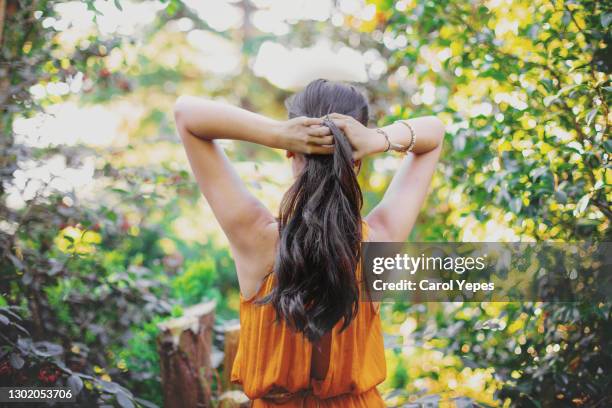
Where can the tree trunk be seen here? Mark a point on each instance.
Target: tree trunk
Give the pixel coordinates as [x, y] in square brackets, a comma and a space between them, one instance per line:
[2, 8]
[233, 397]
[230, 348]
[185, 346]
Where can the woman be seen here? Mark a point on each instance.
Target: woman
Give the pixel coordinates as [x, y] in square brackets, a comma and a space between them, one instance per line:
[306, 339]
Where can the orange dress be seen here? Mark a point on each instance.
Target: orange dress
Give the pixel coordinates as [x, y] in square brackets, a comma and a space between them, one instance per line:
[273, 359]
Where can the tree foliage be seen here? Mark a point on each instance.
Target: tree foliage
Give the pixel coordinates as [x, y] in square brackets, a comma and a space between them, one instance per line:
[524, 88]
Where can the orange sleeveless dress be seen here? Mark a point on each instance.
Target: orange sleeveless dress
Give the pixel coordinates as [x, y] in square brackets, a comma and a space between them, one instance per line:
[274, 360]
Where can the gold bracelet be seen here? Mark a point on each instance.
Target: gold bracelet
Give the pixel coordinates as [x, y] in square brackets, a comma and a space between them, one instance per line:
[396, 147]
[412, 135]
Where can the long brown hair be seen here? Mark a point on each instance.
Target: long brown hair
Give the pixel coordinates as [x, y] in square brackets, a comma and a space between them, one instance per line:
[320, 223]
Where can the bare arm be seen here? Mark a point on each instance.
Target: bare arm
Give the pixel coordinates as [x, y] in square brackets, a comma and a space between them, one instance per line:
[248, 225]
[394, 217]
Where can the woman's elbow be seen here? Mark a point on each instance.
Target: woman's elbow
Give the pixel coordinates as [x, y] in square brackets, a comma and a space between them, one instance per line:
[183, 116]
[439, 129]
[432, 130]
[192, 116]
[181, 107]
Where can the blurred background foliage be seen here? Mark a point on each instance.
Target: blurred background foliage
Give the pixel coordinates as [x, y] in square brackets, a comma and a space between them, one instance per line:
[103, 233]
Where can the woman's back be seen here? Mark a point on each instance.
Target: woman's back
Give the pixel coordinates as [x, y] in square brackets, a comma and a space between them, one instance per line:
[309, 339]
[275, 364]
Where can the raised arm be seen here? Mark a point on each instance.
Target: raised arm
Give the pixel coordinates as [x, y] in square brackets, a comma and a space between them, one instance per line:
[394, 217]
[248, 225]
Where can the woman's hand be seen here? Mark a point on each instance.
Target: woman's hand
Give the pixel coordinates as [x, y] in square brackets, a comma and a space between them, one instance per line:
[363, 140]
[305, 135]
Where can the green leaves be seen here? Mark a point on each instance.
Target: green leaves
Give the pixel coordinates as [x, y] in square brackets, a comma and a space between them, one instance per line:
[582, 205]
[525, 153]
[535, 165]
[590, 116]
[75, 383]
[16, 361]
[516, 204]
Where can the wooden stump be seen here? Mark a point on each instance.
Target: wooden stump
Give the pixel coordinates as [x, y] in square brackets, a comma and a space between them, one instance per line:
[185, 346]
[230, 348]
